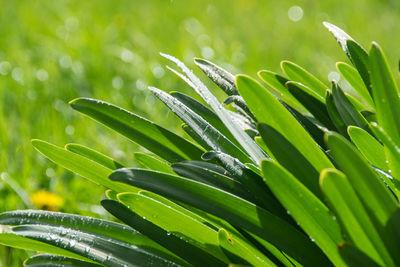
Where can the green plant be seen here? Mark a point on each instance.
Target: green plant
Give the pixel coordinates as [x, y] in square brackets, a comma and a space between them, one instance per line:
[298, 174]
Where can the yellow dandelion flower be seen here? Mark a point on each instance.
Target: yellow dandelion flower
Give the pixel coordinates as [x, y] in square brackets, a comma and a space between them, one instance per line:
[46, 200]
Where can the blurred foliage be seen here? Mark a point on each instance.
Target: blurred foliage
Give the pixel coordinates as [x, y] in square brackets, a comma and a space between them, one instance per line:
[54, 51]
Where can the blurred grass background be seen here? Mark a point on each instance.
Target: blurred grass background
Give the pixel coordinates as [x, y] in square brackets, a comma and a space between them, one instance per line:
[54, 51]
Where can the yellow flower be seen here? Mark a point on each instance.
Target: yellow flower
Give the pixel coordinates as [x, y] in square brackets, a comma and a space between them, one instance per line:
[46, 200]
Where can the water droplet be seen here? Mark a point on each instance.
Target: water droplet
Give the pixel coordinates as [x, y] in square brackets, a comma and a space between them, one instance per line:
[312, 239]
[72, 243]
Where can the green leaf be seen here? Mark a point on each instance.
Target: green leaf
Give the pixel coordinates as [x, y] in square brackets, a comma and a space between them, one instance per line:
[313, 127]
[334, 114]
[205, 130]
[392, 151]
[340, 36]
[252, 180]
[207, 176]
[386, 97]
[364, 180]
[87, 224]
[354, 79]
[369, 147]
[237, 211]
[178, 246]
[311, 214]
[56, 261]
[239, 101]
[221, 77]
[151, 136]
[244, 140]
[354, 257]
[353, 50]
[359, 57]
[240, 244]
[243, 250]
[205, 113]
[276, 85]
[150, 162]
[95, 247]
[94, 155]
[347, 111]
[11, 239]
[270, 111]
[175, 222]
[298, 74]
[353, 216]
[80, 165]
[290, 158]
[296, 88]
[315, 104]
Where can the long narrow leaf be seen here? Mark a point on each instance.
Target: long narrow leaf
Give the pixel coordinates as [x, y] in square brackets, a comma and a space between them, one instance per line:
[245, 141]
[153, 137]
[229, 207]
[270, 111]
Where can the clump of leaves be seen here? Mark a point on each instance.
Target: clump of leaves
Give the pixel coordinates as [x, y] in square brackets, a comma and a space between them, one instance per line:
[300, 173]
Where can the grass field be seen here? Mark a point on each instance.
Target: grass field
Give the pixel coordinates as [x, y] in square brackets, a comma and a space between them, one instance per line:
[54, 51]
